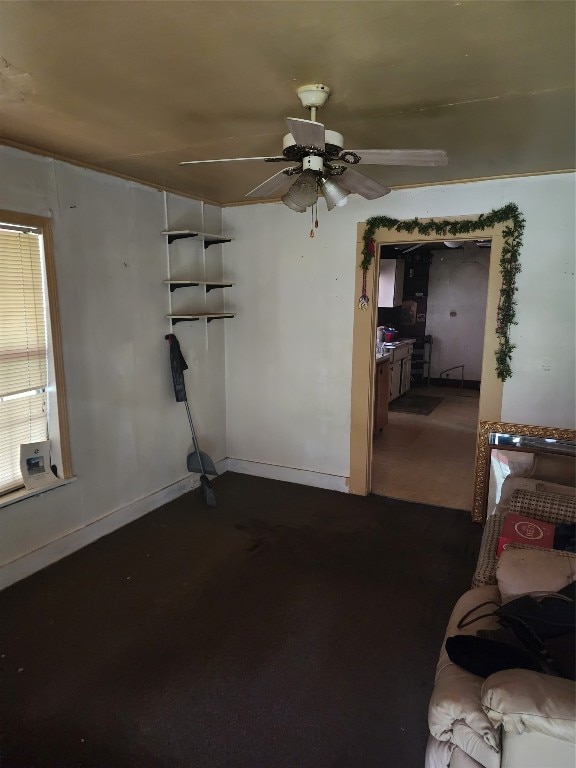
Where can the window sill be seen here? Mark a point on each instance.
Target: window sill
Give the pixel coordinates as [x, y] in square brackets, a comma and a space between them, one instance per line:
[24, 493]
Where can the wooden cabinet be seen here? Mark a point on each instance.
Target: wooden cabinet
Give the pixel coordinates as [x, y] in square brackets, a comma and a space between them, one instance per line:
[390, 282]
[405, 377]
[400, 370]
[395, 380]
[381, 395]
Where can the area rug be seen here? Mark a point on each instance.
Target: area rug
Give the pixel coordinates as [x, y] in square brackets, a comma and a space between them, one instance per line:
[420, 405]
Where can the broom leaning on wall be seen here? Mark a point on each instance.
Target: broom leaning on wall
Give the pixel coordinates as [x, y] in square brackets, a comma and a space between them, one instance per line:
[197, 461]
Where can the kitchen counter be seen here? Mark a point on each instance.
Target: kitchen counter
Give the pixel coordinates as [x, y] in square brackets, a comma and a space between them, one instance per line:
[399, 356]
[390, 346]
[397, 343]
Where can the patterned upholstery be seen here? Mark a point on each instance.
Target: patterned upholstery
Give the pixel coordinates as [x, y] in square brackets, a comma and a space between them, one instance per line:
[539, 505]
[548, 507]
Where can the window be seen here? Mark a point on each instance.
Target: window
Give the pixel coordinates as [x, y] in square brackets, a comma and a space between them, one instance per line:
[31, 382]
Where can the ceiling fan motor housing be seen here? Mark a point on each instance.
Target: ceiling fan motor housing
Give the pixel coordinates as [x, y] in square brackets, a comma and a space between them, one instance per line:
[313, 163]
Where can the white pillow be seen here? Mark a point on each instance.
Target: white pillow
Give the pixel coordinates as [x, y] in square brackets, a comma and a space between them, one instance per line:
[526, 571]
[520, 464]
[513, 483]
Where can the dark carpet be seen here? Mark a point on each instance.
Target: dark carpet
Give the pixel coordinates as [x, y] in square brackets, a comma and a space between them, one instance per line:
[421, 405]
[291, 627]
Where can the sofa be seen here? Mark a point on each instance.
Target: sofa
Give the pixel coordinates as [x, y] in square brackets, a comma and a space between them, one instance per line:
[514, 718]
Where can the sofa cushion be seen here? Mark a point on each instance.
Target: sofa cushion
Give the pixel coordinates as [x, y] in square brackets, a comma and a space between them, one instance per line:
[444, 754]
[513, 483]
[548, 507]
[438, 753]
[534, 750]
[486, 566]
[522, 571]
[531, 701]
[455, 713]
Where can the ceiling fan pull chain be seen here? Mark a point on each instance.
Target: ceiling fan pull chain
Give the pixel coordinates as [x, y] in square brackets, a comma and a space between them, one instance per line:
[312, 228]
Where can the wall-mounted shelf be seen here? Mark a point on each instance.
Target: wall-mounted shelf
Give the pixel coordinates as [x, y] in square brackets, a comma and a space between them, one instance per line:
[208, 316]
[208, 284]
[205, 237]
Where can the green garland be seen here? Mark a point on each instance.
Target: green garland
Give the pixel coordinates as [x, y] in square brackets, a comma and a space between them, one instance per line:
[509, 262]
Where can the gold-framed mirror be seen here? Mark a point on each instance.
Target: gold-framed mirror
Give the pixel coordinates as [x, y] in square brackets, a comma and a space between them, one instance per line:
[504, 448]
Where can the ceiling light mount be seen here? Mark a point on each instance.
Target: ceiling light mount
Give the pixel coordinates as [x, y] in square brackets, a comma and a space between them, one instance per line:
[313, 96]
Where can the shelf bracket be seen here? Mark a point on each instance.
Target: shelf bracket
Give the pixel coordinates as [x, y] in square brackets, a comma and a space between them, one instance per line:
[209, 319]
[182, 236]
[212, 287]
[191, 284]
[176, 320]
[208, 243]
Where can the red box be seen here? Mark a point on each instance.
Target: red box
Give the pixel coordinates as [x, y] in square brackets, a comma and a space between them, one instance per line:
[518, 529]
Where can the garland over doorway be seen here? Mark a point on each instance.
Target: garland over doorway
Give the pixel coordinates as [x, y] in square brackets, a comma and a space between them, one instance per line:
[509, 263]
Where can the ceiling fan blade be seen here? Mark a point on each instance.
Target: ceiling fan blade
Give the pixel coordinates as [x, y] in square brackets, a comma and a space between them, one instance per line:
[355, 181]
[306, 133]
[401, 156]
[234, 160]
[271, 186]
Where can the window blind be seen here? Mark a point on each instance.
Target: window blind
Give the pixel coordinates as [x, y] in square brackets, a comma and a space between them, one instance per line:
[23, 351]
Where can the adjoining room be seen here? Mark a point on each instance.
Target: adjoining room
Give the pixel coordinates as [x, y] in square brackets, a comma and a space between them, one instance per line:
[430, 347]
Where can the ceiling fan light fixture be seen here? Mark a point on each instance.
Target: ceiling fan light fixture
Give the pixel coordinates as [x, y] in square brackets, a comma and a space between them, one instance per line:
[287, 200]
[303, 193]
[334, 194]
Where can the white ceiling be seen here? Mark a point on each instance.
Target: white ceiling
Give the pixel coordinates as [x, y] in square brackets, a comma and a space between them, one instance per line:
[135, 87]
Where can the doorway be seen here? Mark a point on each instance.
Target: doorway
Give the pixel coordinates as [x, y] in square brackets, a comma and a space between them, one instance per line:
[424, 449]
[364, 340]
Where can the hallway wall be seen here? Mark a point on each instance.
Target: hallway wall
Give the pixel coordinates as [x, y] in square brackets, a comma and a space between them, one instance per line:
[458, 282]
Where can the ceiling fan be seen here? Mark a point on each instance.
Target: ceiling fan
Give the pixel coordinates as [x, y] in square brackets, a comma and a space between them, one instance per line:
[320, 159]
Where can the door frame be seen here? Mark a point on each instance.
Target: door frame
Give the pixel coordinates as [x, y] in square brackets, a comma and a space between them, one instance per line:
[364, 343]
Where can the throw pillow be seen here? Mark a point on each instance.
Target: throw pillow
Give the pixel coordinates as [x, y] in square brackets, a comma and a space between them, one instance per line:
[549, 507]
[522, 571]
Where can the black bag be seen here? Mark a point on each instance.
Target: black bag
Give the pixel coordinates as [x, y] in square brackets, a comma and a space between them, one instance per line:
[484, 655]
[541, 636]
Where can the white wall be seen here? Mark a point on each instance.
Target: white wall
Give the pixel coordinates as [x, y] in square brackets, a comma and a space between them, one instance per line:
[285, 411]
[289, 351]
[129, 438]
[458, 283]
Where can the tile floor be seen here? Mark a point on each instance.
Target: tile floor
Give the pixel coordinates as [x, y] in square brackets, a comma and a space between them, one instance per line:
[431, 458]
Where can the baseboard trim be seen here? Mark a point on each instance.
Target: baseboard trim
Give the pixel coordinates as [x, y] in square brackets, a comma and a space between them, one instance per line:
[55, 550]
[289, 474]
